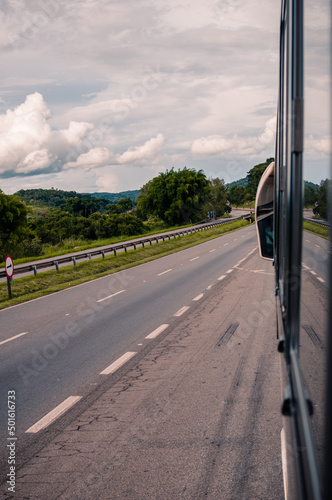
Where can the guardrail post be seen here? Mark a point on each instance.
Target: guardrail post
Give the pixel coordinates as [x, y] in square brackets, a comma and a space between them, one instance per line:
[134, 246]
[34, 268]
[56, 265]
[114, 251]
[103, 254]
[89, 256]
[74, 261]
[142, 244]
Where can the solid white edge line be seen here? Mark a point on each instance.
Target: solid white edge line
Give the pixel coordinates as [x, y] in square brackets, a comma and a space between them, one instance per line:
[13, 338]
[222, 277]
[284, 462]
[110, 296]
[157, 331]
[201, 295]
[54, 414]
[118, 363]
[164, 272]
[182, 311]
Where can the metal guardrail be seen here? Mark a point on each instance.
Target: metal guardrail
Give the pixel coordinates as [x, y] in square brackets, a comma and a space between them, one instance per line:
[114, 248]
[318, 222]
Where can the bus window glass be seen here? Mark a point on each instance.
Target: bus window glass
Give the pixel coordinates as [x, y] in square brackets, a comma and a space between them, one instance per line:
[316, 169]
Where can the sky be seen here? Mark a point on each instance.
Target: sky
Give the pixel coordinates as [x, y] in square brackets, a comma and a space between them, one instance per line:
[104, 95]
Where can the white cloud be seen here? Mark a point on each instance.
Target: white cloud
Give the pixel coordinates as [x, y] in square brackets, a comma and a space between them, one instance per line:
[27, 142]
[96, 157]
[76, 131]
[141, 154]
[254, 145]
[116, 73]
[23, 131]
[36, 160]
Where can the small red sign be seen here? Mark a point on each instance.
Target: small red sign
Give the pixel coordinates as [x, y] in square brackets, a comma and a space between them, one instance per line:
[9, 266]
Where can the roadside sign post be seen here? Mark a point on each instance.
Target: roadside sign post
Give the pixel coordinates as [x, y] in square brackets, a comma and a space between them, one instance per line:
[9, 268]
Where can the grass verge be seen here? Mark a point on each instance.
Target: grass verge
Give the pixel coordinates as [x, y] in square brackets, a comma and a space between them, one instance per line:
[31, 287]
[321, 231]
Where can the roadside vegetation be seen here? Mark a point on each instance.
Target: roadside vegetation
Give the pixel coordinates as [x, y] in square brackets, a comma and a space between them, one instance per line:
[32, 287]
[39, 223]
[321, 231]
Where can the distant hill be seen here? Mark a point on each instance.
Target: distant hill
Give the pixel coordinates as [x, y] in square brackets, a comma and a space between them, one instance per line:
[46, 197]
[241, 182]
[115, 197]
[53, 198]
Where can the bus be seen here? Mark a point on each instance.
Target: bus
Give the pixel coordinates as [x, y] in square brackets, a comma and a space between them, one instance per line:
[301, 260]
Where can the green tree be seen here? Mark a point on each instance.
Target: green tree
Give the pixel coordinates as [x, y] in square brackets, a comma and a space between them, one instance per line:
[176, 197]
[322, 207]
[310, 196]
[237, 195]
[13, 222]
[254, 176]
[217, 197]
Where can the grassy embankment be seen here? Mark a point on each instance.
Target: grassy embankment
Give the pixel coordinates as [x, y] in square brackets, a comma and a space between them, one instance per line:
[31, 287]
[321, 231]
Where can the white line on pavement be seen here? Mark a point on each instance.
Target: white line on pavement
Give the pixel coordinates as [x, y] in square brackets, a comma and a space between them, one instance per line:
[54, 414]
[226, 244]
[222, 277]
[313, 272]
[214, 249]
[157, 331]
[118, 363]
[13, 338]
[198, 297]
[110, 296]
[195, 258]
[229, 271]
[320, 279]
[164, 272]
[182, 311]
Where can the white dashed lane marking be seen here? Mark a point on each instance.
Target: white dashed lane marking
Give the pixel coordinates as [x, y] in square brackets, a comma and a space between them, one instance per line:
[157, 331]
[199, 297]
[13, 338]
[164, 272]
[118, 363]
[54, 414]
[182, 311]
[110, 296]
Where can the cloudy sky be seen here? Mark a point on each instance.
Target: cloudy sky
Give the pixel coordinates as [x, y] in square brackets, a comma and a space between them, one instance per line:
[103, 95]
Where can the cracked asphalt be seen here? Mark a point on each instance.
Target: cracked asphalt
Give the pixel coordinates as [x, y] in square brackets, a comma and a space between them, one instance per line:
[198, 416]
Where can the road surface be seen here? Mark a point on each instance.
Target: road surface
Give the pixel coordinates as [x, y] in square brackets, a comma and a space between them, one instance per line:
[194, 413]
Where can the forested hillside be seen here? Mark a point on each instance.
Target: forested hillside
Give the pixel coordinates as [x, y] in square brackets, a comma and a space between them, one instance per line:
[37, 222]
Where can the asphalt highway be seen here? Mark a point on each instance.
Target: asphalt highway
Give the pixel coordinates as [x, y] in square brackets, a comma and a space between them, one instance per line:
[174, 362]
[58, 345]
